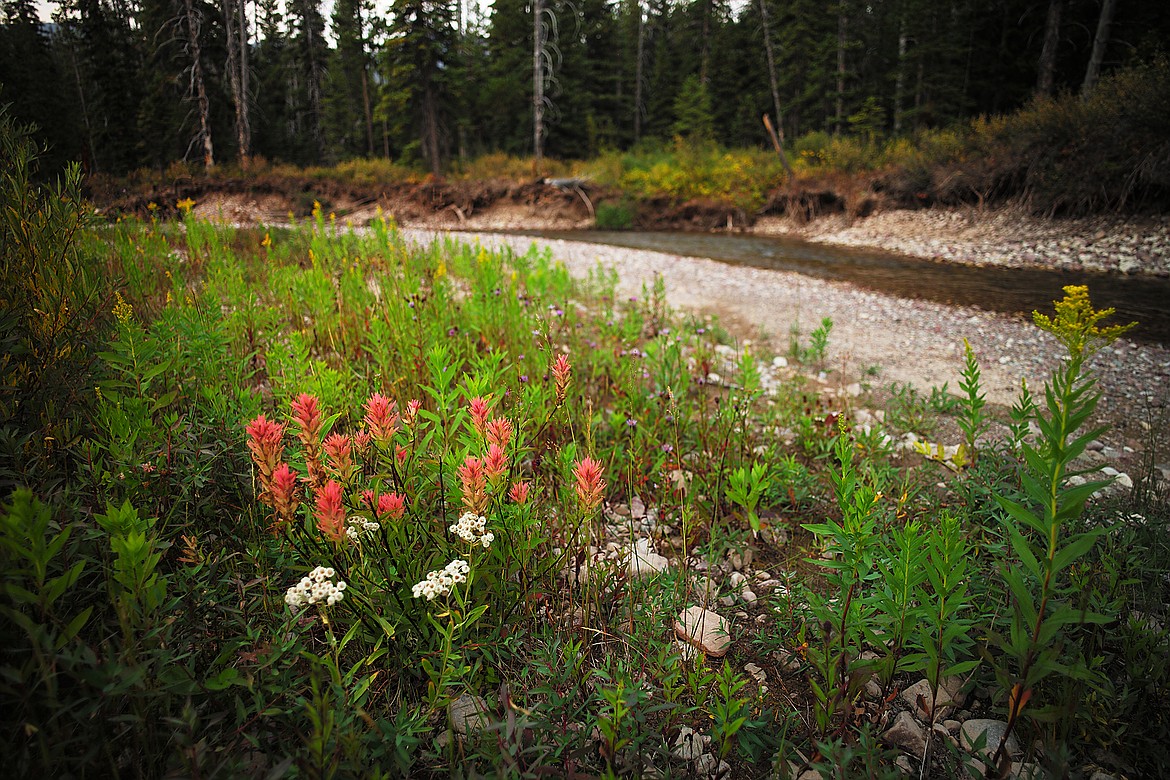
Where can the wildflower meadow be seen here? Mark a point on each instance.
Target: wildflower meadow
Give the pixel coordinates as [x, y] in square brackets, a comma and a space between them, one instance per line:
[317, 501]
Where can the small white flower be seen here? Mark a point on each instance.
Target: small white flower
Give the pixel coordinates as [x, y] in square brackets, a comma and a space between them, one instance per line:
[470, 528]
[441, 581]
[315, 589]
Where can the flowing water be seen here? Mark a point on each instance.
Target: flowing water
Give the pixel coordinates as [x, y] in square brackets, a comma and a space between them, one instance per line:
[1009, 290]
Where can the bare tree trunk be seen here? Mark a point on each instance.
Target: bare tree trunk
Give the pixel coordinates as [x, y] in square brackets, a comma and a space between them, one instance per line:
[778, 133]
[245, 77]
[431, 127]
[93, 160]
[842, 24]
[314, 85]
[237, 50]
[705, 46]
[1046, 79]
[203, 106]
[366, 84]
[1100, 42]
[638, 73]
[900, 78]
[537, 84]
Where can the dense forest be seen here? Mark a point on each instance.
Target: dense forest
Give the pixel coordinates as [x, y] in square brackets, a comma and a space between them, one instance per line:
[126, 84]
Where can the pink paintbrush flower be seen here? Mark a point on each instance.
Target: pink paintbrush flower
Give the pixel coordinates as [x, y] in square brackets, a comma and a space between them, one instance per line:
[471, 474]
[480, 408]
[561, 372]
[590, 485]
[499, 432]
[330, 512]
[519, 493]
[381, 417]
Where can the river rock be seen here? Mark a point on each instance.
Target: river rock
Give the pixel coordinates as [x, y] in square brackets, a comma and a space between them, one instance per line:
[705, 630]
[918, 698]
[906, 734]
[643, 562]
[690, 744]
[705, 590]
[994, 729]
[740, 560]
[468, 714]
[708, 765]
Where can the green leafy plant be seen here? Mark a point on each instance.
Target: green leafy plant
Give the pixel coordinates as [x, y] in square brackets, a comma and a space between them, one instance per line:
[818, 344]
[745, 486]
[972, 419]
[1042, 529]
[842, 617]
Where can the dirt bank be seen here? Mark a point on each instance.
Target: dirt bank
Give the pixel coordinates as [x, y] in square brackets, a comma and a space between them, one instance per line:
[1001, 237]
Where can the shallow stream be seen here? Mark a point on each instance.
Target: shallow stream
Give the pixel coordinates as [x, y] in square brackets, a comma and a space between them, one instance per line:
[1009, 290]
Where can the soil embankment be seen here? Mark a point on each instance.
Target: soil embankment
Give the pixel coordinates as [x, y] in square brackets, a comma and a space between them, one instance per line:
[1002, 236]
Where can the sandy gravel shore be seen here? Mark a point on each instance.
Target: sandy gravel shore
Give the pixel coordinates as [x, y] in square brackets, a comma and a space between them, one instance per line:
[1002, 237]
[907, 340]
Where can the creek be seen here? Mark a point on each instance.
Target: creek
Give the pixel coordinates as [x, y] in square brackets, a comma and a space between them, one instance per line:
[1144, 299]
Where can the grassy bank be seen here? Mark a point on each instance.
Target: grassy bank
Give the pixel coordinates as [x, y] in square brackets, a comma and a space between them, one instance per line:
[523, 482]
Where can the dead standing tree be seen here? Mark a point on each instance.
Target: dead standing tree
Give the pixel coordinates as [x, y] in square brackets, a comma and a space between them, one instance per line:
[236, 26]
[198, 87]
[777, 133]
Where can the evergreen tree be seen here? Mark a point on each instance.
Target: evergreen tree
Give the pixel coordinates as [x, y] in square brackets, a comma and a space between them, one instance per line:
[419, 57]
[32, 83]
[164, 121]
[692, 110]
[306, 58]
[347, 102]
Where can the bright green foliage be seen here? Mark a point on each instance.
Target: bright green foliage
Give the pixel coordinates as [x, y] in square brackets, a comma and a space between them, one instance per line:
[1043, 530]
[902, 564]
[850, 547]
[745, 487]
[944, 625]
[818, 344]
[137, 588]
[972, 420]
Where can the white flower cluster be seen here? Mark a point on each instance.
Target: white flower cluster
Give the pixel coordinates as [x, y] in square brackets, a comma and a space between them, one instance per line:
[357, 526]
[439, 583]
[315, 589]
[469, 528]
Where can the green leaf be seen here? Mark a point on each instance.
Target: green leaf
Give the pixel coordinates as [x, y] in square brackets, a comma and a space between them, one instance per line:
[71, 630]
[1076, 547]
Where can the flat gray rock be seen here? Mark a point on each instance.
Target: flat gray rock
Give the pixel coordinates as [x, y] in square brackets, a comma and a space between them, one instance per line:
[994, 729]
[468, 714]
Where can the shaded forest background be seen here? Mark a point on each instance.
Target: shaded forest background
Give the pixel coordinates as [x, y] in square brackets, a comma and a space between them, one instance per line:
[129, 84]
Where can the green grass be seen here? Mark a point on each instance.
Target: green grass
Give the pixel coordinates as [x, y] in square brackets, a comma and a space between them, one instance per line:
[147, 551]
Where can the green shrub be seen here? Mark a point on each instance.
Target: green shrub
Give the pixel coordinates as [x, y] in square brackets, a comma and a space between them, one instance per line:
[613, 215]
